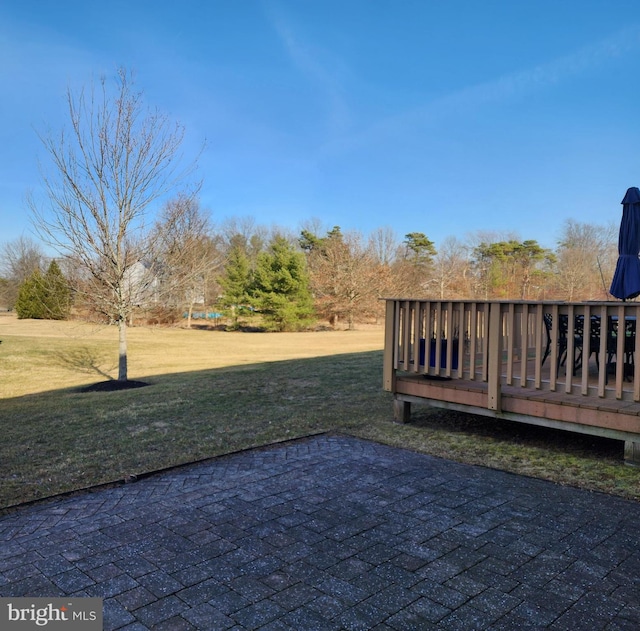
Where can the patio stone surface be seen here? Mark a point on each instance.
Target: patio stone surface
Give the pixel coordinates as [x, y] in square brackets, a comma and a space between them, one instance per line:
[333, 533]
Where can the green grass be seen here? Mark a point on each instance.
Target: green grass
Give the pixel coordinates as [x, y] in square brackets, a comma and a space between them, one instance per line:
[211, 393]
[62, 440]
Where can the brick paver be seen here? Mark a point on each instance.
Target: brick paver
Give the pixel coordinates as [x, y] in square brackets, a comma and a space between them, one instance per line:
[333, 532]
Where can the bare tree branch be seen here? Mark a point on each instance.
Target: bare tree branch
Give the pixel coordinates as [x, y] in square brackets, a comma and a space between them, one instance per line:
[107, 170]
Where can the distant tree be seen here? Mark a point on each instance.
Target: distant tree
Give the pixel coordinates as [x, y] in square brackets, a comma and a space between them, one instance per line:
[280, 287]
[420, 249]
[18, 260]
[586, 256]
[30, 303]
[186, 254]
[383, 247]
[236, 282]
[56, 293]
[6, 300]
[117, 160]
[309, 241]
[532, 262]
[505, 269]
[486, 269]
[335, 234]
[345, 278]
[413, 265]
[383, 244]
[450, 270]
[244, 233]
[45, 297]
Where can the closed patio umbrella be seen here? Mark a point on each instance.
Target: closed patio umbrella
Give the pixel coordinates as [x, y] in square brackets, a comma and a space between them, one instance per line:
[626, 280]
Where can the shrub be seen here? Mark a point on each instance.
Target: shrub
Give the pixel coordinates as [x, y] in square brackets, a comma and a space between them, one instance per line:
[45, 297]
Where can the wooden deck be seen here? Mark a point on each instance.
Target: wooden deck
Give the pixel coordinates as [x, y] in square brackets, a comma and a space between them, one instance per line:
[487, 374]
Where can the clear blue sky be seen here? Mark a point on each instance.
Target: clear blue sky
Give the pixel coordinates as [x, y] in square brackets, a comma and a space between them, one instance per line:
[442, 117]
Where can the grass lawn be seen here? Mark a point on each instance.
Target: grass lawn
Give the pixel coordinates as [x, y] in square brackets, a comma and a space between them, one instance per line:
[211, 392]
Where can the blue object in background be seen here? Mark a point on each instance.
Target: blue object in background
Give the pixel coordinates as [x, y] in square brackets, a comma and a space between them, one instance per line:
[626, 279]
[443, 353]
[201, 315]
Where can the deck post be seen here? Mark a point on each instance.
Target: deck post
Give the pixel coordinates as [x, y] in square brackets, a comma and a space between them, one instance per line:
[390, 347]
[632, 453]
[495, 357]
[401, 411]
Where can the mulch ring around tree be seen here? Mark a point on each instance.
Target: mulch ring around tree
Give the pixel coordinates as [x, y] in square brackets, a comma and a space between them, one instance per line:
[113, 385]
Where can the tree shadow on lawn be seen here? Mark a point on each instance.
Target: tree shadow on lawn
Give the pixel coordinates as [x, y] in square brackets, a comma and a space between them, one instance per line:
[83, 360]
[86, 360]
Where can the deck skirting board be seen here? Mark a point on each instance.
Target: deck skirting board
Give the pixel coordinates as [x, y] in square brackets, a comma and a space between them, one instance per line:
[610, 419]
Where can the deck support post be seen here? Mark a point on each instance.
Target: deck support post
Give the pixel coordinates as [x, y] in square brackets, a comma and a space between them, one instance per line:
[495, 357]
[390, 348]
[632, 453]
[401, 411]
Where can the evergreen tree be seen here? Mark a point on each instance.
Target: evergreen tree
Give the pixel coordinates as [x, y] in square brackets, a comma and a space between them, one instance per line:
[236, 281]
[45, 297]
[308, 241]
[280, 287]
[30, 303]
[311, 243]
[56, 293]
[5, 293]
[420, 249]
[506, 268]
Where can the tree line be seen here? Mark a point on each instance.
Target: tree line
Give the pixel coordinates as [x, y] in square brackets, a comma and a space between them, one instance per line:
[293, 280]
[119, 258]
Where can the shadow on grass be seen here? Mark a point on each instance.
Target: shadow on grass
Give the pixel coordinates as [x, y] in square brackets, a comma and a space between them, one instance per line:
[512, 433]
[61, 440]
[83, 360]
[113, 385]
[64, 440]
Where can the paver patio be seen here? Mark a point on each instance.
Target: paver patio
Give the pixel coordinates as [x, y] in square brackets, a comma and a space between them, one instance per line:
[333, 532]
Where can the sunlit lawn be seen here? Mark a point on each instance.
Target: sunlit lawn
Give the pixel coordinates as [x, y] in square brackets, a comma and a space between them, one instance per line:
[212, 392]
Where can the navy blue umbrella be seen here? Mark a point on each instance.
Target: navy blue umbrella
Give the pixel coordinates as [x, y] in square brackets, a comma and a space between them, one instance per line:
[626, 280]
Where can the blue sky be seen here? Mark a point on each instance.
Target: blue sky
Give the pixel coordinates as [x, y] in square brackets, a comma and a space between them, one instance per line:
[424, 116]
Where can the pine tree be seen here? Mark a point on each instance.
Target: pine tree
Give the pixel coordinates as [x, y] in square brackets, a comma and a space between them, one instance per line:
[56, 293]
[30, 303]
[45, 297]
[280, 288]
[236, 281]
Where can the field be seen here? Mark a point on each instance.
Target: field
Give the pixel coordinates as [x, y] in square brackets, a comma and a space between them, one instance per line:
[212, 392]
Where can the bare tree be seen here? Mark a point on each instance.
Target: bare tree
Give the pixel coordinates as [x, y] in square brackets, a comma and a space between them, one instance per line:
[383, 243]
[345, 279]
[245, 234]
[577, 273]
[19, 259]
[449, 269]
[187, 253]
[384, 248]
[116, 160]
[586, 258]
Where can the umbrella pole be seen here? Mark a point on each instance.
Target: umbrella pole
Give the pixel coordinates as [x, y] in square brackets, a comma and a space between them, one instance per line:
[604, 285]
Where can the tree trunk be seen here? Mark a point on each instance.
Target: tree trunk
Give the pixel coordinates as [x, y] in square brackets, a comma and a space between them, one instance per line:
[122, 350]
[189, 315]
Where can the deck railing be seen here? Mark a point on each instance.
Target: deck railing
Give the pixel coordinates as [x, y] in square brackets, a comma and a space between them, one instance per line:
[576, 348]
